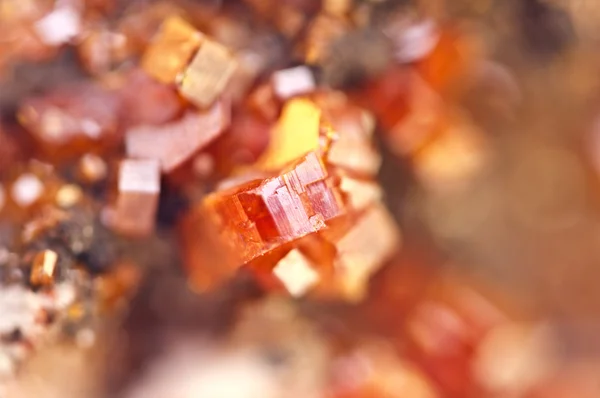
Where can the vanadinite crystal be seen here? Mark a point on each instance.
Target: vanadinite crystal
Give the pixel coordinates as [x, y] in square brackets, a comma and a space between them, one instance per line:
[259, 188]
[171, 50]
[137, 201]
[175, 142]
[207, 74]
[264, 214]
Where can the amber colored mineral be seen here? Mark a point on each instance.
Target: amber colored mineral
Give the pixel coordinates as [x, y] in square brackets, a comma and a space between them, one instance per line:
[171, 50]
[371, 241]
[43, 268]
[174, 143]
[205, 78]
[265, 214]
[297, 132]
[101, 50]
[138, 189]
[352, 147]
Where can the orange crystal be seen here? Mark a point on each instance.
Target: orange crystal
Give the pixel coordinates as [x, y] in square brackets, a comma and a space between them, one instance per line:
[296, 133]
[264, 214]
[171, 50]
[44, 268]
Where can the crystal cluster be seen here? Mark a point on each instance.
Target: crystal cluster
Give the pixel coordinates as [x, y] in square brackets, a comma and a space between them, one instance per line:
[322, 195]
[267, 190]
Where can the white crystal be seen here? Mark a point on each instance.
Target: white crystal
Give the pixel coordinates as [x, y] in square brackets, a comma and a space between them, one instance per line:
[59, 27]
[27, 189]
[294, 81]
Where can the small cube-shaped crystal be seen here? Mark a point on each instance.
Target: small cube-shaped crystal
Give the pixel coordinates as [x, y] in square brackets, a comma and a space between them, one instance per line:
[208, 74]
[171, 50]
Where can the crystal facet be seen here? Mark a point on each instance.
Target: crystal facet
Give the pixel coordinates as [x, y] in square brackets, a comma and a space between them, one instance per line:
[171, 50]
[139, 186]
[264, 214]
[174, 143]
[207, 74]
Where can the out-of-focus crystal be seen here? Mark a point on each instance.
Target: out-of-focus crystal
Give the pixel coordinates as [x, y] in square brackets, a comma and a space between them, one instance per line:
[296, 133]
[374, 370]
[292, 82]
[68, 195]
[101, 49]
[351, 146]
[415, 41]
[453, 158]
[27, 189]
[361, 193]
[449, 61]
[73, 118]
[92, 168]
[171, 50]
[297, 273]
[174, 143]
[265, 214]
[147, 102]
[513, 358]
[353, 151]
[43, 268]
[371, 241]
[60, 26]
[262, 101]
[205, 78]
[139, 186]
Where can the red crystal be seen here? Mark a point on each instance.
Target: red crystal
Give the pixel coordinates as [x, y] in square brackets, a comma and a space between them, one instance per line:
[265, 214]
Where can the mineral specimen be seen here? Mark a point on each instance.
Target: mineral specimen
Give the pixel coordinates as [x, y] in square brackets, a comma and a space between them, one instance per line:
[171, 50]
[264, 214]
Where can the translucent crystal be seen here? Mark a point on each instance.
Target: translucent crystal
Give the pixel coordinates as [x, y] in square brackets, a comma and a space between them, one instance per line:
[371, 241]
[176, 142]
[292, 82]
[139, 186]
[296, 133]
[60, 26]
[171, 50]
[43, 268]
[264, 214]
[205, 78]
[297, 273]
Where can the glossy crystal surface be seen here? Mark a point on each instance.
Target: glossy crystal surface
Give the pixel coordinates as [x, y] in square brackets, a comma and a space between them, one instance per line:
[205, 78]
[264, 214]
[171, 50]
